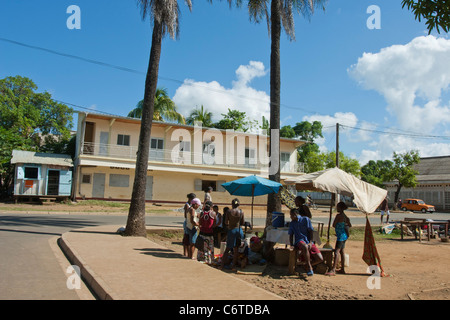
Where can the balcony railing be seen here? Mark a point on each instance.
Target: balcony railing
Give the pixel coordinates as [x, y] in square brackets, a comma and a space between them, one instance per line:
[183, 157]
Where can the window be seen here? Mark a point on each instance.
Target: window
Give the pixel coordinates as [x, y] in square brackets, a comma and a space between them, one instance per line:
[119, 180]
[156, 149]
[202, 185]
[185, 146]
[284, 159]
[208, 183]
[250, 157]
[31, 173]
[123, 140]
[209, 151]
[86, 178]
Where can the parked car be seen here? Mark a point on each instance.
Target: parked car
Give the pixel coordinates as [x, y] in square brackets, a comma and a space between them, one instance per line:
[417, 205]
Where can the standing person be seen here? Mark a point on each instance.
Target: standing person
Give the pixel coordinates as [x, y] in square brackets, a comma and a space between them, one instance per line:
[234, 220]
[384, 208]
[208, 194]
[301, 230]
[309, 200]
[399, 204]
[342, 225]
[192, 225]
[218, 228]
[186, 207]
[226, 212]
[304, 210]
[207, 223]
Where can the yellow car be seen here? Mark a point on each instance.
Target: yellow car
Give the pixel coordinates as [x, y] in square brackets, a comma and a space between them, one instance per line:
[417, 205]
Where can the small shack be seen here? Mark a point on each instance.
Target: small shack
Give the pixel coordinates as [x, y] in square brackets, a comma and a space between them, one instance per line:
[40, 176]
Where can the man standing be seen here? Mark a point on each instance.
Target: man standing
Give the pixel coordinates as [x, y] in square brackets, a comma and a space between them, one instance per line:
[384, 208]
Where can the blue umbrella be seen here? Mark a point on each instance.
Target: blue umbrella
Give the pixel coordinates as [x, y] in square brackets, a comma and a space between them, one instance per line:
[252, 186]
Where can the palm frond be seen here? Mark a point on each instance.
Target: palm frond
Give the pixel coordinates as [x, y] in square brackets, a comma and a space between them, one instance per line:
[165, 12]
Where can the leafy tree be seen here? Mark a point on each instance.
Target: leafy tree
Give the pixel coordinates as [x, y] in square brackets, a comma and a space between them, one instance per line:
[287, 132]
[318, 161]
[235, 120]
[375, 172]
[403, 170]
[347, 164]
[164, 18]
[435, 12]
[265, 125]
[279, 13]
[202, 115]
[164, 108]
[30, 121]
[309, 132]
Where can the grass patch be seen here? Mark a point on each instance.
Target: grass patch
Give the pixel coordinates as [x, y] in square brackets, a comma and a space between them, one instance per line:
[102, 203]
[357, 234]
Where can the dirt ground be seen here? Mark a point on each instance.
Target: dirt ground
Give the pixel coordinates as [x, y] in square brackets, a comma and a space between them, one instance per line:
[417, 271]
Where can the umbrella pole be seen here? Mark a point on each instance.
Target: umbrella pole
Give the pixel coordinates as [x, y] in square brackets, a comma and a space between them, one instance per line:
[253, 198]
[327, 245]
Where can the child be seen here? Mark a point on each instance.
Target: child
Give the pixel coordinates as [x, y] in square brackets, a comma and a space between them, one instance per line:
[341, 224]
[218, 229]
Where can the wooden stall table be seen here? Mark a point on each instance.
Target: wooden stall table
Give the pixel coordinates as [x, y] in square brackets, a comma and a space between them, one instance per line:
[418, 223]
[280, 235]
[439, 223]
[413, 223]
[319, 227]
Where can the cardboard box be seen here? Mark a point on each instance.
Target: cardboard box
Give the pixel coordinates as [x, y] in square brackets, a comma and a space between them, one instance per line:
[282, 256]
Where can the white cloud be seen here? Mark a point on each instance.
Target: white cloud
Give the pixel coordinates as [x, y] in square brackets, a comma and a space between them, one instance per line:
[349, 121]
[217, 99]
[412, 79]
[386, 145]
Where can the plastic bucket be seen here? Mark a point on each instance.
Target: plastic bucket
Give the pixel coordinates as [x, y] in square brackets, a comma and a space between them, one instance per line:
[277, 219]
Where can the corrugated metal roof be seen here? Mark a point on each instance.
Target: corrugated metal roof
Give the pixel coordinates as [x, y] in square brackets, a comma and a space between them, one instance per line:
[433, 166]
[19, 156]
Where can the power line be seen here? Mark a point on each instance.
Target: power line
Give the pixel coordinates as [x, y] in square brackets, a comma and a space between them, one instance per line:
[399, 133]
[126, 69]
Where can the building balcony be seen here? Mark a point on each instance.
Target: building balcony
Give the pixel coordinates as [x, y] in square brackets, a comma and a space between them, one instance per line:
[177, 157]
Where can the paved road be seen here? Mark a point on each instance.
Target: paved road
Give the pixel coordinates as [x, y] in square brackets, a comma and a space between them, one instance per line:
[33, 267]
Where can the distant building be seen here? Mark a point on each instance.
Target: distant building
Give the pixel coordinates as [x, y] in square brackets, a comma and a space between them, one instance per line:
[182, 159]
[41, 175]
[433, 183]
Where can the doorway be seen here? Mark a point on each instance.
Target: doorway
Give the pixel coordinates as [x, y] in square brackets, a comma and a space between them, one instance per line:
[52, 182]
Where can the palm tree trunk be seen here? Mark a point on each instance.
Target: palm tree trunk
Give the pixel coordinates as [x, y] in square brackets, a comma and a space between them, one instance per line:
[273, 200]
[136, 215]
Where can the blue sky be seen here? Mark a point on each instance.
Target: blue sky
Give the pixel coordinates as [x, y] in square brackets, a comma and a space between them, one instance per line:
[393, 79]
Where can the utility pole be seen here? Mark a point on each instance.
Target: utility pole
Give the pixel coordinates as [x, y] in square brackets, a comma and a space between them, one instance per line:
[337, 198]
[337, 145]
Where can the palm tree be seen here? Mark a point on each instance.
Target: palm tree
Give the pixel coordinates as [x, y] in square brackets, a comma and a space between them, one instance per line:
[164, 108]
[281, 13]
[164, 17]
[202, 115]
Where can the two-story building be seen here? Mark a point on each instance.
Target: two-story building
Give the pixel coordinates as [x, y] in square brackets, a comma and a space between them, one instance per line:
[182, 159]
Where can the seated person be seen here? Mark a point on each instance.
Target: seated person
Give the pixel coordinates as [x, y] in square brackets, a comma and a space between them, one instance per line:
[302, 230]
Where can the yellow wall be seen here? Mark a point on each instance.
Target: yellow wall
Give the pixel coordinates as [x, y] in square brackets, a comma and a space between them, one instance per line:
[167, 186]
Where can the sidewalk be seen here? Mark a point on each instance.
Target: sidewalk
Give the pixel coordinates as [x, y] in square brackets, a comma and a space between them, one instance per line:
[124, 268]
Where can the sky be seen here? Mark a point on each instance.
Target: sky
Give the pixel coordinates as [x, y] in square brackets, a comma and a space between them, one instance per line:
[365, 64]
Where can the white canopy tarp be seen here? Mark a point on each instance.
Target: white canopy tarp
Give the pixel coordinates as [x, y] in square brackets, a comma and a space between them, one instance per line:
[367, 197]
